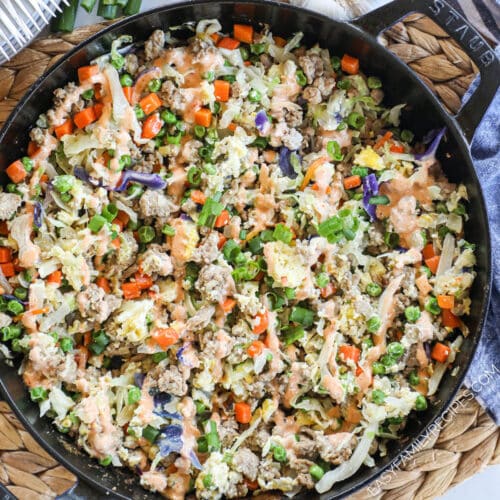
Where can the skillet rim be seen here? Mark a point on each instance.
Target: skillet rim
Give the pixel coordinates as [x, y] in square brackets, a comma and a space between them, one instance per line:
[454, 129]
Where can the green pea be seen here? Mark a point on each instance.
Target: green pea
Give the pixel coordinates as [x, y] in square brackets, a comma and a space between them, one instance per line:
[316, 472]
[105, 461]
[126, 80]
[373, 324]
[146, 234]
[154, 85]
[373, 289]
[378, 397]
[412, 314]
[420, 403]
[279, 453]
[395, 349]
[413, 378]
[133, 395]
[432, 306]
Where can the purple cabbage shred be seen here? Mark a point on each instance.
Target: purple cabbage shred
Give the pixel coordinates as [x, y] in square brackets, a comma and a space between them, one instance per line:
[139, 379]
[161, 399]
[285, 162]
[152, 181]
[370, 188]
[37, 214]
[434, 137]
[261, 120]
[170, 440]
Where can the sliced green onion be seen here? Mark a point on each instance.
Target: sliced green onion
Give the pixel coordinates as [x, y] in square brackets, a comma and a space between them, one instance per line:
[194, 176]
[150, 433]
[21, 293]
[199, 131]
[133, 395]
[66, 344]
[344, 84]
[333, 150]
[15, 307]
[322, 280]
[168, 117]
[257, 48]
[282, 233]
[373, 82]
[109, 212]
[211, 209]
[146, 234]
[355, 120]
[301, 77]
[293, 334]
[379, 200]
[361, 171]
[88, 94]
[335, 63]
[38, 394]
[302, 315]
[168, 230]
[97, 223]
[407, 135]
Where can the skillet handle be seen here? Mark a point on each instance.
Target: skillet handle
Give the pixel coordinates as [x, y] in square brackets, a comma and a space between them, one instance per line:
[458, 28]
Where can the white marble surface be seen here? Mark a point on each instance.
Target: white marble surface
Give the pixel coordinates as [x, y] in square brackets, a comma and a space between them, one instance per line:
[482, 486]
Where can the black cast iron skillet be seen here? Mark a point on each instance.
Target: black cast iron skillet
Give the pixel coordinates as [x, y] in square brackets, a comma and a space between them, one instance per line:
[423, 113]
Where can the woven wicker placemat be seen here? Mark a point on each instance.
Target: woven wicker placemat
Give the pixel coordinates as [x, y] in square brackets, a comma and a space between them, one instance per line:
[465, 442]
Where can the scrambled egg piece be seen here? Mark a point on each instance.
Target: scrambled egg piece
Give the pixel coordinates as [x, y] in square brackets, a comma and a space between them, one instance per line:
[367, 157]
[285, 264]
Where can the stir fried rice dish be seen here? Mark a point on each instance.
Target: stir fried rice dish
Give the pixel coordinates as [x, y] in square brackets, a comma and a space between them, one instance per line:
[226, 265]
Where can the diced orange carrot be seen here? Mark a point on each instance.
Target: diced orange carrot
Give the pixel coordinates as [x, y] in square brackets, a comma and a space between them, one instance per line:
[222, 219]
[243, 33]
[5, 255]
[352, 182]
[446, 301]
[84, 117]
[222, 89]
[242, 413]
[198, 197]
[44, 178]
[432, 263]
[4, 229]
[144, 281]
[17, 267]
[255, 348]
[8, 269]
[165, 337]
[55, 277]
[383, 140]
[85, 72]
[123, 217]
[349, 64]
[98, 107]
[103, 283]
[16, 172]
[116, 243]
[449, 320]
[279, 41]
[311, 171]
[440, 352]
[228, 305]
[222, 241]
[37, 312]
[203, 117]
[228, 43]
[32, 148]
[65, 128]
[349, 352]
[397, 148]
[131, 290]
[151, 126]
[261, 323]
[97, 91]
[428, 251]
[150, 103]
[252, 485]
[128, 92]
[215, 37]
[87, 338]
[232, 127]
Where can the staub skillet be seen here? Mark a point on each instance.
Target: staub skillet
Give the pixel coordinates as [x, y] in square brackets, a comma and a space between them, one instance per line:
[422, 114]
